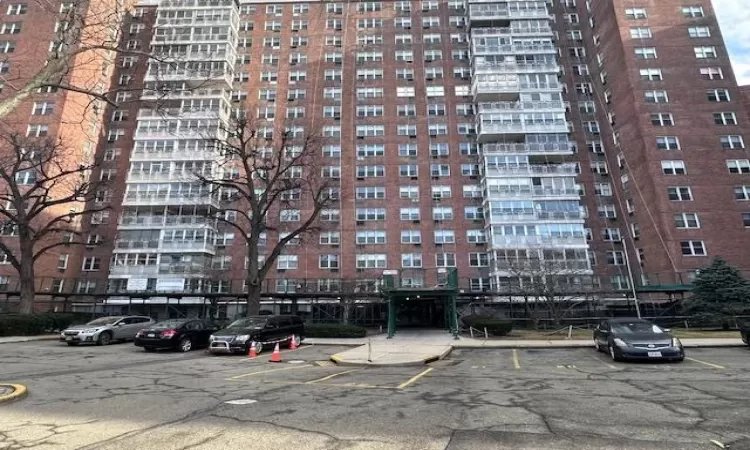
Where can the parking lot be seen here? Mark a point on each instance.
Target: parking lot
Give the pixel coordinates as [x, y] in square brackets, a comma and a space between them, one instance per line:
[119, 397]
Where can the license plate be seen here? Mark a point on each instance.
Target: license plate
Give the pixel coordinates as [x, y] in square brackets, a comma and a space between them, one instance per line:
[151, 335]
[69, 338]
[654, 354]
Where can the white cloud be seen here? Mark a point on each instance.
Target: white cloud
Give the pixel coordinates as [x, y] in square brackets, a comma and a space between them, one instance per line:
[734, 19]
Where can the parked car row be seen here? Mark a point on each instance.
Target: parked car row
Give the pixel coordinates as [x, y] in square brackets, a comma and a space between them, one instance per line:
[188, 334]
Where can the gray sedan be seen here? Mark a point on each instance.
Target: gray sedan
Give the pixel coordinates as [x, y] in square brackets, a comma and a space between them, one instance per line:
[104, 330]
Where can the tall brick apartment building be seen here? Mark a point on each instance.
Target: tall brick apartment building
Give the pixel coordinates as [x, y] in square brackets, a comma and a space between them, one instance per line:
[607, 136]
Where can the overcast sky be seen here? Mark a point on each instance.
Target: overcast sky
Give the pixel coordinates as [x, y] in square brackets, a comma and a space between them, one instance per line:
[734, 18]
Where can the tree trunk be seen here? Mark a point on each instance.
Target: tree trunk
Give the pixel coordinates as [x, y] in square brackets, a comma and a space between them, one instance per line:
[347, 311]
[27, 288]
[253, 299]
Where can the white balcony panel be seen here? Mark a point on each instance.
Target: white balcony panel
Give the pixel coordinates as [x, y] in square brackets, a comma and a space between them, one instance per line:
[505, 241]
[527, 149]
[531, 169]
[144, 199]
[513, 49]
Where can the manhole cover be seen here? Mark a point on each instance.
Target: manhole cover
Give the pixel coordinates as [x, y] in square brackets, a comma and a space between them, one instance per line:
[241, 401]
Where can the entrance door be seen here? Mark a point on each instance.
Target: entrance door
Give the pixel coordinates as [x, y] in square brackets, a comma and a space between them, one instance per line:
[420, 313]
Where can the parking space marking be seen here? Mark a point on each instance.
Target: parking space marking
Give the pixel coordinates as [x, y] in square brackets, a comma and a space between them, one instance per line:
[415, 378]
[339, 385]
[611, 366]
[715, 366]
[516, 362]
[268, 371]
[330, 376]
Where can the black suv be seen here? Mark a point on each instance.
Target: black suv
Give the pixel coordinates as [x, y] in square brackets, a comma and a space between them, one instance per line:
[257, 331]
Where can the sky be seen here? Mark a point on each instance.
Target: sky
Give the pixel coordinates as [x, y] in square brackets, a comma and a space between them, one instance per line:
[734, 19]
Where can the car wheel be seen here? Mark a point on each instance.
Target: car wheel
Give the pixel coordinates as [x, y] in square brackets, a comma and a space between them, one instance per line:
[297, 340]
[258, 347]
[105, 338]
[596, 345]
[613, 353]
[72, 344]
[185, 345]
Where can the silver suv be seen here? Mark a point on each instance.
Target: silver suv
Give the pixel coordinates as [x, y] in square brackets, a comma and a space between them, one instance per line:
[104, 330]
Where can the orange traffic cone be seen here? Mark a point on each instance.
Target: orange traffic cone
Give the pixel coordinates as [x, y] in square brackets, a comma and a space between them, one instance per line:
[292, 344]
[251, 353]
[276, 356]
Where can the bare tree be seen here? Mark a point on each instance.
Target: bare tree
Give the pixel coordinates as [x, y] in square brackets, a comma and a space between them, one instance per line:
[89, 42]
[268, 185]
[548, 286]
[45, 191]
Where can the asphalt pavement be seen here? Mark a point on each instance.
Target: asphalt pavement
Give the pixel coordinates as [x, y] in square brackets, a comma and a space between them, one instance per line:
[119, 397]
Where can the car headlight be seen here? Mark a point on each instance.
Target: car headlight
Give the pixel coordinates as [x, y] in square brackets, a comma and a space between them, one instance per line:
[676, 342]
[620, 343]
[242, 338]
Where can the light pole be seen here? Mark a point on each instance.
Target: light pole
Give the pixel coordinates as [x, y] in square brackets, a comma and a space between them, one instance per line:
[630, 277]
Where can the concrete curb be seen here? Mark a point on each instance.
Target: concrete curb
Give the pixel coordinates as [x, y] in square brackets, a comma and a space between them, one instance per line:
[19, 391]
[418, 362]
[17, 339]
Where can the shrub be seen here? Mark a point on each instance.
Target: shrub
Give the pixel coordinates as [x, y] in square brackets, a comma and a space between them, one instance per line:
[34, 324]
[334, 330]
[495, 327]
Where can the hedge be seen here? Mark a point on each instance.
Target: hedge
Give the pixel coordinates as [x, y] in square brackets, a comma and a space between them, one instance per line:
[34, 324]
[495, 327]
[334, 330]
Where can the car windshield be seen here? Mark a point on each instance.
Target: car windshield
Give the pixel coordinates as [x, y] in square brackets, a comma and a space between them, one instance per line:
[104, 321]
[250, 322]
[636, 327]
[169, 324]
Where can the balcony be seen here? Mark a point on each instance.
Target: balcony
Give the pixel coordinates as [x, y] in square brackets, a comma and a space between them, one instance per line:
[493, 131]
[171, 22]
[513, 49]
[199, 4]
[187, 246]
[182, 133]
[155, 199]
[183, 269]
[501, 107]
[165, 175]
[177, 155]
[488, 88]
[198, 77]
[491, 170]
[482, 66]
[191, 38]
[503, 241]
[136, 245]
[187, 94]
[166, 221]
[503, 266]
[498, 11]
[512, 31]
[502, 217]
[501, 193]
[143, 270]
[556, 148]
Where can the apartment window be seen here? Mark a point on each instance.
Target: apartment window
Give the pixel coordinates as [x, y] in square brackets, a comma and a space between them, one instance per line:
[407, 150]
[411, 237]
[746, 220]
[370, 193]
[332, 131]
[686, 220]
[667, 143]
[440, 192]
[693, 248]
[370, 237]
[287, 262]
[370, 74]
[402, 6]
[411, 192]
[725, 118]
[335, 8]
[673, 167]
[330, 238]
[370, 214]
[712, 73]
[572, 18]
[479, 259]
[330, 215]
[440, 170]
[692, 11]
[370, 151]
[7, 46]
[705, 52]
[731, 142]
[406, 110]
[328, 261]
[408, 170]
[11, 28]
[640, 33]
[473, 213]
[607, 211]
[699, 32]
[742, 193]
[17, 9]
[331, 172]
[636, 13]
[662, 120]
[444, 236]
[679, 193]
[645, 53]
[603, 189]
[430, 22]
[616, 258]
[476, 236]
[43, 108]
[442, 213]
[371, 261]
[651, 74]
[43, 130]
[411, 260]
[409, 214]
[718, 95]
[406, 130]
[738, 165]
[611, 235]
[62, 261]
[364, 93]
[370, 130]
[656, 97]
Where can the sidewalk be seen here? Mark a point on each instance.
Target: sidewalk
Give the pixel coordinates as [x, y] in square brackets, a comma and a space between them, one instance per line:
[14, 339]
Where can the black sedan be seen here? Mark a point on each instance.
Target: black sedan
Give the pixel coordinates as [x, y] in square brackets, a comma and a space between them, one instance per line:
[745, 333]
[637, 339]
[177, 334]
